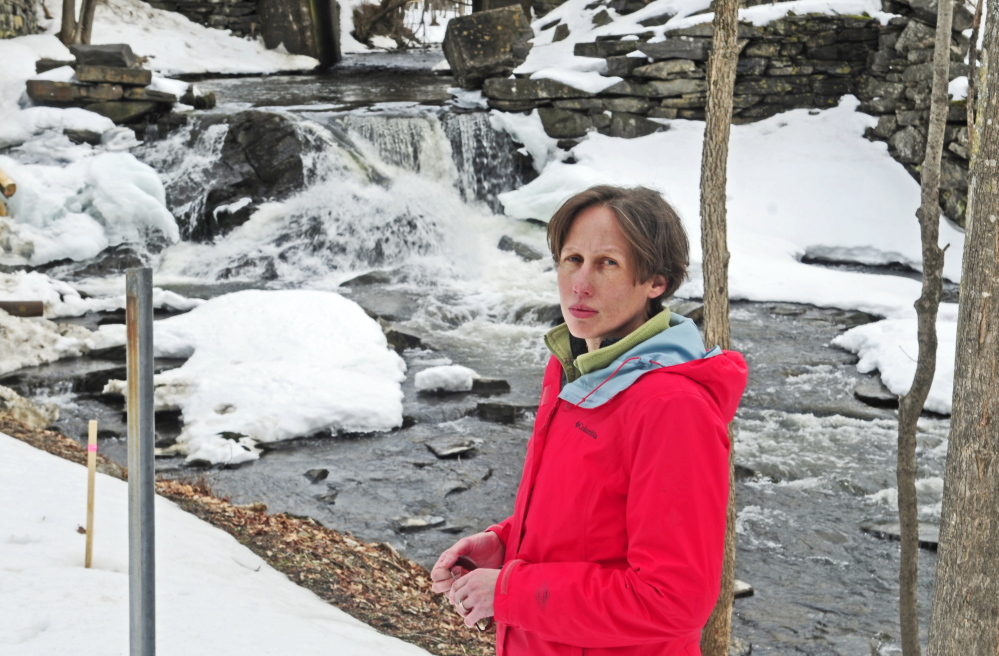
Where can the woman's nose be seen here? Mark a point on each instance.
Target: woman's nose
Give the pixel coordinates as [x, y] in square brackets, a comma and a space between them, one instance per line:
[581, 281]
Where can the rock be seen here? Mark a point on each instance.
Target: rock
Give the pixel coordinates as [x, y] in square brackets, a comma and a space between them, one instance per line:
[301, 28]
[450, 447]
[112, 353]
[329, 496]
[417, 523]
[507, 89]
[515, 105]
[83, 136]
[630, 105]
[522, 250]
[561, 33]
[743, 589]
[261, 158]
[909, 145]
[487, 44]
[678, 48]
[623, 65]
[370, 278]
[46, 92]
[580, 104]
[693, 310]
[926, 11]
[739, 647]
[113, 75]
[317, 475]
[125, 112]
[631, 126]
[36, 415]
[873, 392]
[501, 413]
[668, 70]
[198, 100]
[150, 95]
[929, 534]
[490, 386]
[564, 123]
[605, 49]
[400, 341]
[45, 65]
[118, 55]
[602, 18]
[669, 88]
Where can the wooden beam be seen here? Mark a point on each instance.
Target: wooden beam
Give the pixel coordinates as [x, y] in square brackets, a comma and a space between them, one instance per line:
[23, 308]
[7, 186]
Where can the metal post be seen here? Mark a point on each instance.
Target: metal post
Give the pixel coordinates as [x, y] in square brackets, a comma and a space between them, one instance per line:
[141, 492]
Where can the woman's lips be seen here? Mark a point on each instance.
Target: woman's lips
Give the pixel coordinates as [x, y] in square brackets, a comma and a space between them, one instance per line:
[581, 311]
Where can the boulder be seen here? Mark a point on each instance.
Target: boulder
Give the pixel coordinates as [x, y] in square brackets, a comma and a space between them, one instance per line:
[317, 475]
[564, 123]
[261, 158]
[909, 145]
[114, 75]
[630, 126]
[926, 11]
[522, 250]
[83, 136]
[873, 392]
[116, 55]
[487, 44]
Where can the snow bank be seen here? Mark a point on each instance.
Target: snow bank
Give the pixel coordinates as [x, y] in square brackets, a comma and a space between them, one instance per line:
[891, 347]
[36, 341]
[274, 365]
[213, 595]
[451, 378]
[75, 201]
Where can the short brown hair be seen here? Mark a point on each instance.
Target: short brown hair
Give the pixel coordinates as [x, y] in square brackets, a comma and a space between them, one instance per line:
[652, 227]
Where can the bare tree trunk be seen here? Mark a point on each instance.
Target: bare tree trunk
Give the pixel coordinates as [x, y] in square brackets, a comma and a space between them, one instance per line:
[86, 24]
[714, 174]
[966, 589]
[911, 405]
[973, 78]
[68, 31]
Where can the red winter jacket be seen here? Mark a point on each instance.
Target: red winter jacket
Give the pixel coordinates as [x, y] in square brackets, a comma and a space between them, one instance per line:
[616, 540]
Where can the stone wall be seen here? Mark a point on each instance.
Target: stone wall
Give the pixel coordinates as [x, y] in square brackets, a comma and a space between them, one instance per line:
[17, 18]
[240, 16]
[806, 61]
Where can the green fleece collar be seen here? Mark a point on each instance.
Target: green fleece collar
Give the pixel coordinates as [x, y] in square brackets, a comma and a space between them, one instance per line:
[557, 341]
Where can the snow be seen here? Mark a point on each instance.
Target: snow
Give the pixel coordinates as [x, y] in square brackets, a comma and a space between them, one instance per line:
[588, 81]
[451, 378]
[267, 366]
[60, 299]
[804, 182]
[29, 342]
[213, 595]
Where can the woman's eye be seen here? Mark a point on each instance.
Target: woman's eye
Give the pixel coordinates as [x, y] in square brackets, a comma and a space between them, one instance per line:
[611, 262]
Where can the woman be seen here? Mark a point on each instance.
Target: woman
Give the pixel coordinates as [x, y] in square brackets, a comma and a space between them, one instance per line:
[616, 539]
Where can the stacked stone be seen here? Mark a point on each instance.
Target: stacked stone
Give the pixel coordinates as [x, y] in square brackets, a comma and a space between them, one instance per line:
[110, 81]
[798, 62]
[897, 89]
[240, 16]
[17, 18]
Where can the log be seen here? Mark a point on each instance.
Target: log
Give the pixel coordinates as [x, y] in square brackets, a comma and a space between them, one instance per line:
[23, 308]
[7, 186]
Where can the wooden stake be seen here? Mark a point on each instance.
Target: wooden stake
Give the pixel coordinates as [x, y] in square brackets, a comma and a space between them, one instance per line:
[3, 208]
[7, 186]
[91, 471]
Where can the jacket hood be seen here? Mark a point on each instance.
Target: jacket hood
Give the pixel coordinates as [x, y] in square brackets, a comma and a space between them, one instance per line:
[680, 349]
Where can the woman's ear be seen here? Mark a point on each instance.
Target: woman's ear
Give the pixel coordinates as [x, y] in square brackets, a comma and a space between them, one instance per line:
[658, 286]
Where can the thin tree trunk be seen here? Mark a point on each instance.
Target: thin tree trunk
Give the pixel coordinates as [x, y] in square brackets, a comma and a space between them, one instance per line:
[973, 78]
[911, 405]
[86, 24]
[714, 172]
[966, 588]
[68, 31]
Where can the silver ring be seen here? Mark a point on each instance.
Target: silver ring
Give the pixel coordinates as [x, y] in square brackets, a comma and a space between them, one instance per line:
[462, 605]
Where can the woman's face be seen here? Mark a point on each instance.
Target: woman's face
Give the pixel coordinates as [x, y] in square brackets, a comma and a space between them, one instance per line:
[596, 279]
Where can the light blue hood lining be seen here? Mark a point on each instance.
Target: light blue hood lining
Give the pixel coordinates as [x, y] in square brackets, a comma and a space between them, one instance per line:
[680, 343]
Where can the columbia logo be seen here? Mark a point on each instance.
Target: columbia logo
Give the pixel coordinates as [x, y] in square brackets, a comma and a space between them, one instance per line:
[589, 431]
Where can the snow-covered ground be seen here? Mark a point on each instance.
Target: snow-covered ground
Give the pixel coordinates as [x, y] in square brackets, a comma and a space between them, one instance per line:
[213, 595]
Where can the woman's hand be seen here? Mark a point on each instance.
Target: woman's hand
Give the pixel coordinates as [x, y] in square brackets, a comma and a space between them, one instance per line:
[484, 549]
[472, 595]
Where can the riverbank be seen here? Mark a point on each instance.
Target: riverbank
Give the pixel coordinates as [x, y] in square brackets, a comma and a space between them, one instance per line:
[371, 582]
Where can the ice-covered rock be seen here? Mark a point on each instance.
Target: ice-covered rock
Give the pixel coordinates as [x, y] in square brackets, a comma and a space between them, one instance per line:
[448, 378]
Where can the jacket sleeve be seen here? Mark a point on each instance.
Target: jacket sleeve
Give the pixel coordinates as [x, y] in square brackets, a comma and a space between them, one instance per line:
[675, 520]
[502, 530]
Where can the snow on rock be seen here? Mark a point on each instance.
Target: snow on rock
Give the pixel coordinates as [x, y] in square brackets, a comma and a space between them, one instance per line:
[75, 201]
[451, 378]
[588, 81]
[891, 347]
[266, 366]
[213, 595]
[31, 342]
